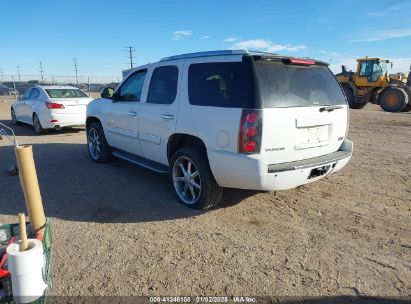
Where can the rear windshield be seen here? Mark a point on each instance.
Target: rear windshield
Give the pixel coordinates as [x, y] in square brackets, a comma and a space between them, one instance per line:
[283, 85]
[220, 84]
[65, 93]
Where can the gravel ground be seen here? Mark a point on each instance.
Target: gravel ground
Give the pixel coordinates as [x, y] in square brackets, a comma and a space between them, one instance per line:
[119, 230]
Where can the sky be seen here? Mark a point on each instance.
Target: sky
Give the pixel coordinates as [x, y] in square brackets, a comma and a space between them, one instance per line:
[97, 32]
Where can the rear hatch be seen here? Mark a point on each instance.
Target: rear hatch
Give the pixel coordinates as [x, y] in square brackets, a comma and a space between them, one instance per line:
[74, 101]
[305, 114]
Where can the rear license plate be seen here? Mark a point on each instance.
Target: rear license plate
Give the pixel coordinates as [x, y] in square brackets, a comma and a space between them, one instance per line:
[317, 134]
[312, 135]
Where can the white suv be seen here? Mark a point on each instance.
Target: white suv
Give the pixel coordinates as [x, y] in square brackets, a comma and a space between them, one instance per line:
[220, 119]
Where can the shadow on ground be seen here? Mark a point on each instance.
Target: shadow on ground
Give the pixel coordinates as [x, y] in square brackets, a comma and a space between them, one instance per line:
[23, 129]
[75, 188]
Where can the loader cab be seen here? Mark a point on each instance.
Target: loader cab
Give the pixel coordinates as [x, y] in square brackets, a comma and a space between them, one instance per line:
[371, 72]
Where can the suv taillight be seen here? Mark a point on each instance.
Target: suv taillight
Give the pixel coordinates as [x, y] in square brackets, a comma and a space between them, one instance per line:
[249, 134]
[53, 105]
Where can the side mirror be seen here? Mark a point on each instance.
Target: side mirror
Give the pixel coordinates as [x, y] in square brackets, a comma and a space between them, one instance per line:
[107, 93]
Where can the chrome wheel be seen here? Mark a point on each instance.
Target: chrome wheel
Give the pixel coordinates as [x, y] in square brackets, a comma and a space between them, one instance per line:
[13, 117]
[94, 144]
[37, 124]
[187, 180]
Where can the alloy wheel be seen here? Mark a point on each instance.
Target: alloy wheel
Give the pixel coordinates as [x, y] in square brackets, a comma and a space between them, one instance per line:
[187, 180]
[94, 144]
[36, 124]
[13, 117]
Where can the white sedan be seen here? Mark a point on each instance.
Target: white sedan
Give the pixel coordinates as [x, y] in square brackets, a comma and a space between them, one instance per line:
[51, 107]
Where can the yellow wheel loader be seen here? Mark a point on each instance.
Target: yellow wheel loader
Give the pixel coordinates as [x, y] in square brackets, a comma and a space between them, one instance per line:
[371, 83]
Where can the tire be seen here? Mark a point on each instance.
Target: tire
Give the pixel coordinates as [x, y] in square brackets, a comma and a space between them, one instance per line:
[393, 99]
[97, 146]
[207, 193]
[37, 125]
[351, 98]
[14, 120]
[408, 106]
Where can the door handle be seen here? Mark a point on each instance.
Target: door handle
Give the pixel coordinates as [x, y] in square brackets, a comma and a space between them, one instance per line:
[167, 116]
[132, 113]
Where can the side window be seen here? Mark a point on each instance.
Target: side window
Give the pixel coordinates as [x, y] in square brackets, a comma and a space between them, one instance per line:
[163, 85]
[34, 94]
[220, 84]
[377, 71]
[133, 87]
[366, 68]
[27, 94]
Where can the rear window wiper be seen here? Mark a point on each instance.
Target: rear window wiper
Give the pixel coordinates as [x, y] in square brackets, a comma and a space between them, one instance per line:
[330, 108]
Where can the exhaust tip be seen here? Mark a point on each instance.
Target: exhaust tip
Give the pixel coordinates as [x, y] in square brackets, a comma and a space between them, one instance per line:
[58, 128]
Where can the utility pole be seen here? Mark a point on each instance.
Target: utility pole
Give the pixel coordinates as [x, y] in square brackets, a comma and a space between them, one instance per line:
[41, 70]
[2, 74]
[75, 68]
[18, 72]
[14, 87]
[130, 55]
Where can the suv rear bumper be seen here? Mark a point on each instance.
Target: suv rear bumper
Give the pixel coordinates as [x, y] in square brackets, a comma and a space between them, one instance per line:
[244, 172]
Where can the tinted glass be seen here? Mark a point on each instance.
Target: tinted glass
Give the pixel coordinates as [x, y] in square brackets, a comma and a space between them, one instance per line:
[220, 84]
[133, 87]
[27, 94]
[366, 68]
[65, 93]
[297, 86]
[163, 85]
[377, 71]
[34, 94]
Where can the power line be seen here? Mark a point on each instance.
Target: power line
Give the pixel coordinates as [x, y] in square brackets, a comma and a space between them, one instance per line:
[75, 68]
[41, 70]
[130, 56]
[18, 71]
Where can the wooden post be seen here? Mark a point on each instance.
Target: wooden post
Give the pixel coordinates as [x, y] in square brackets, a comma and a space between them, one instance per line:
[24, 244]
[31, 190]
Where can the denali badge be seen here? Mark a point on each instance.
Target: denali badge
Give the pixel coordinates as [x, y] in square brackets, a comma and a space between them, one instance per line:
[275, 149]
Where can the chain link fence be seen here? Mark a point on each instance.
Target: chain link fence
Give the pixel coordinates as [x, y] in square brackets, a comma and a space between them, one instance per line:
[18, 84]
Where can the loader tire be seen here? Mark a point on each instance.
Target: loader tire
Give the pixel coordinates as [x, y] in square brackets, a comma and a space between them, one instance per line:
[394, 99]
[351, 98]
[408, 106]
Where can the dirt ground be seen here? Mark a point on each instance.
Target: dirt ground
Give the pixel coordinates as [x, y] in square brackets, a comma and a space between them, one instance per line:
[119, 230]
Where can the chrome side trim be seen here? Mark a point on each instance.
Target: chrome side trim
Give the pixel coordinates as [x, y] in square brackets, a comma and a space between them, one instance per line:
[123, 132]
[150, 138]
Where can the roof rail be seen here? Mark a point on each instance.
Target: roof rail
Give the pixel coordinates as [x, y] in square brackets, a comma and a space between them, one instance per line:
[206, 54]
[262, 53]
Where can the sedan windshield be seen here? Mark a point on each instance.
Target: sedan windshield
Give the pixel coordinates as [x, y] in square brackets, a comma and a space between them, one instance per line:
[65, 93]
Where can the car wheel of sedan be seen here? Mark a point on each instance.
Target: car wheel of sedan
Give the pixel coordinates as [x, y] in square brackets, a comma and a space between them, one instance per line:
[14, 118]
[193, 181]
[37, 125]
[98, 148]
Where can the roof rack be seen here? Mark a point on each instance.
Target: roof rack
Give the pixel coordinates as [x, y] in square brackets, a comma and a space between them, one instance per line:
[206, 54]
[261, 53]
